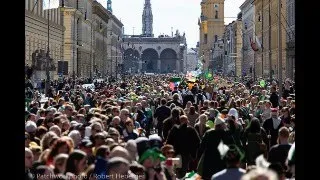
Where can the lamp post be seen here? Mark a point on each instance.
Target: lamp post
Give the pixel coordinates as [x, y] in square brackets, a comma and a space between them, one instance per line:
[47, 84]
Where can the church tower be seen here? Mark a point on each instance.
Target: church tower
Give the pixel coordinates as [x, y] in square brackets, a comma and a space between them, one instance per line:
[109, 5]
[147, 20]
[211, 28]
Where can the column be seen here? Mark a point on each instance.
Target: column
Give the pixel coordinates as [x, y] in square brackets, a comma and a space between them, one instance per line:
[158, 65]
[177, 66]
[140, 65]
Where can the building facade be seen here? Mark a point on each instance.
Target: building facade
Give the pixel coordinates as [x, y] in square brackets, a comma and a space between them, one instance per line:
[266, 29]
[237, 47]
[248, 35]
[191, 61]
[101, 17]
[211, 28]
[290, 39]
[79, 37]
[36, 39]
[218, 55]
[114, 50]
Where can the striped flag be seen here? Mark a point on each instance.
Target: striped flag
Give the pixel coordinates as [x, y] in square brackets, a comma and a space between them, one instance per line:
[50, 4]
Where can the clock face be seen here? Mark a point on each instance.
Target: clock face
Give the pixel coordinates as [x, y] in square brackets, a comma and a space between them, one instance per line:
[216, 6]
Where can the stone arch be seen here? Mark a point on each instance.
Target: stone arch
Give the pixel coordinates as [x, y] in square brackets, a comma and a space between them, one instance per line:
[168, 59]
[149, 59]
[131, 61]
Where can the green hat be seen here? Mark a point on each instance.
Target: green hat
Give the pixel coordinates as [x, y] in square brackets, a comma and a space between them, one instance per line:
[154, 153]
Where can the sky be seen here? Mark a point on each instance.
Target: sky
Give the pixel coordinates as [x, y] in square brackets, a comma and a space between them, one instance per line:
[178, 14]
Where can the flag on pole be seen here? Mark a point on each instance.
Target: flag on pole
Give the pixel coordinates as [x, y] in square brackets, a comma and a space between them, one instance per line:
[50, 4]
[174, 82]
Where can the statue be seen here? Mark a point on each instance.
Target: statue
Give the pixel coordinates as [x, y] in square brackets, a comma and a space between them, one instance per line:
[39, 61]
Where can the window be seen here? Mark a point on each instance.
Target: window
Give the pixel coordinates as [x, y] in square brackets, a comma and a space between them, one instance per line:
[205, 38]
[216, 16]
[215, 38]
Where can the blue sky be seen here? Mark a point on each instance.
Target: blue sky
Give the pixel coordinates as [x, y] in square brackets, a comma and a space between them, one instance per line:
[179, 14]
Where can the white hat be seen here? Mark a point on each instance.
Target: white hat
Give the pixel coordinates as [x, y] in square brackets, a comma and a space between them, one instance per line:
[219, 120]
[31, 126]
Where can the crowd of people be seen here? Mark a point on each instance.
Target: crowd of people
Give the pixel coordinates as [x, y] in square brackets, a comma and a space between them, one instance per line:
[139, 127]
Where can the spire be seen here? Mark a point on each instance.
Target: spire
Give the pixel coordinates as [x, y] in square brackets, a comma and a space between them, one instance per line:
[109, 5]
[147, 20]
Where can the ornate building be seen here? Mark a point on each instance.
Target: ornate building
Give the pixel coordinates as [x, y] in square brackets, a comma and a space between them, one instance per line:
[290, 39]
[248, 35]
[36, 39]
[147, 20]
[145, 53]
[211, 28]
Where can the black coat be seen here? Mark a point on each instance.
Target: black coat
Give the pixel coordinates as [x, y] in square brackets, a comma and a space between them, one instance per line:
[274, 99]
[268, 127]
[162, 113]
[184, 139]
[167, 126]
[212, 162]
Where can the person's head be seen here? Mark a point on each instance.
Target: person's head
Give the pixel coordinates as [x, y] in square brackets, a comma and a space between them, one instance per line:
[274, 113]
[31, 127]
[32, 117]
[76, 162]
[99, 139]
[203, 119]
[44, 173]
[28, 158]
[293, 104]
[219, 124]
[273, 89]
[206, 103]
[114, 133]
[118, 166]
[285, 112]
[95, 128]
[129, 125]
[183, 119]
[189, 104]
[59, 147]
[175, 112]
[46, 139]
[144, 104]
[192, 110]
[58, 121]
[68, 110]
[119, 151]
[115, 111]
[60, 162]
[115, 121]
[55, 129]
[260, 174]
[124, 114]
[254, 126]
[48, 114]
[175, 96]
[267, 104]
[233, 157]
[65, 125]
[163, 101]
[131, 147]
[283, 135]
[75, 136]
[168, 151]
[103, 152]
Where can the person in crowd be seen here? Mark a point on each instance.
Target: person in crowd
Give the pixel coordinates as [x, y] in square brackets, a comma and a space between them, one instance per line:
[272, 126]
[129, 132]
[28, 160]
[279, 152]
[233, 170]
[60, 162]
[210, 161]
[177, 138]
[170, 122]
[192, 116]
[161, 113]
[201, 126]
[76, 164]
